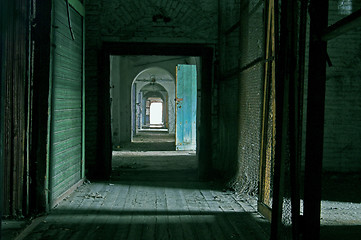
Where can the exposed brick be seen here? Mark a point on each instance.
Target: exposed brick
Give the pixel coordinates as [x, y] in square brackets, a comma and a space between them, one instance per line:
[240, 98]
[341, 152]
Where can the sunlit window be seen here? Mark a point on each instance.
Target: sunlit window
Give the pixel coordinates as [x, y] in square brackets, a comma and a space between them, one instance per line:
[156, 113]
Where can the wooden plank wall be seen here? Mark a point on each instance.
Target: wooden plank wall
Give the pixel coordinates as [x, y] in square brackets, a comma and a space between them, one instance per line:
[66, 101]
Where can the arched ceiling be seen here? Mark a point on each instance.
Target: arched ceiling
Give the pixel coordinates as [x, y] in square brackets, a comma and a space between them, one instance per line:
[154, 74]
[153, 87]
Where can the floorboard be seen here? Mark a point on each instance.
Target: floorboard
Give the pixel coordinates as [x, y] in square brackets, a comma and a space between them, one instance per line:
[157, 202]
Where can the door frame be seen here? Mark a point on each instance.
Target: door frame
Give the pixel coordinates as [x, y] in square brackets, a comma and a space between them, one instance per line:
[204, 123]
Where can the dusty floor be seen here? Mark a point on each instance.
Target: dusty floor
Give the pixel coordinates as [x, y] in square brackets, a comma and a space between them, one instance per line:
[151, 210]
[154, 193]
[157, 165]
[148, 140]
[341, 206]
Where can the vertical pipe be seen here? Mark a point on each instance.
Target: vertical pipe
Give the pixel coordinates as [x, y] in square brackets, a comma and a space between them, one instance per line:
[315, 118]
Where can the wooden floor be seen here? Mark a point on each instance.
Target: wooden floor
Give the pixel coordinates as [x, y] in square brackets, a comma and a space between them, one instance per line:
[151, 210]
[153, 195]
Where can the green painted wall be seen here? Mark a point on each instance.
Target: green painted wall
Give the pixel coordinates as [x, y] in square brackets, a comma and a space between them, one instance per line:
[66, 101]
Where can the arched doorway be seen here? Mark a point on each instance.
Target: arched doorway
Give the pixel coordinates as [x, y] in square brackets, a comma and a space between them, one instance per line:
[153, 85]
[149, 99]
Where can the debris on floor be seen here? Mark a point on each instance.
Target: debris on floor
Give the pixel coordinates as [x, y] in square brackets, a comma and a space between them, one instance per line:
[94, 196]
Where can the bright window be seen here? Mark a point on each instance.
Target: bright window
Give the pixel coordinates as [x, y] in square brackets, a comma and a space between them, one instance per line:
[156, 113]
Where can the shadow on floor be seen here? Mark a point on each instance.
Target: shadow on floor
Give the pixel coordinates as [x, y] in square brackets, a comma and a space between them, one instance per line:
[160, 166]
[149, 141]
[141, 146]
[148, 225]
[341, 232]
[341, 187]
[12, 228]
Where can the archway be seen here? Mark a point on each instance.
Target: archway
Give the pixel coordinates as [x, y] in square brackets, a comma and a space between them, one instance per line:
[153, 82]
[148, 98]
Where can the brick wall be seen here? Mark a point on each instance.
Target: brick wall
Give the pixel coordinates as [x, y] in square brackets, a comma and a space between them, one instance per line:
[225, 136]
[251, 95]
[138, 20]
[342, 137]
[240, 93]
[341, 151]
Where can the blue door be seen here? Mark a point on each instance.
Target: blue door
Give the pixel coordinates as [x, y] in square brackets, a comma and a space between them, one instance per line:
[186, 105]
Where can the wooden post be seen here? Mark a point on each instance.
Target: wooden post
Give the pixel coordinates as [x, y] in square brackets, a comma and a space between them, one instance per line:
[286, 121]
[315, 118]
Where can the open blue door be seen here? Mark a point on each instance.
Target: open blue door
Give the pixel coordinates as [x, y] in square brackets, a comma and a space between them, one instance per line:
[186, 105]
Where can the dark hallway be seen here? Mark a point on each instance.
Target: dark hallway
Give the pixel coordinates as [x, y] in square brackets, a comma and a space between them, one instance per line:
[256, 133]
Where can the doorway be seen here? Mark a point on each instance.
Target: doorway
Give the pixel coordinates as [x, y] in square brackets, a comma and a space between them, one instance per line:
[154, 85]
[204, 139]
[158, 116]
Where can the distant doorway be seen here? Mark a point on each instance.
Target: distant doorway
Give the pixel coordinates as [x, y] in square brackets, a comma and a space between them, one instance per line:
[127, 62]
[153, 88]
